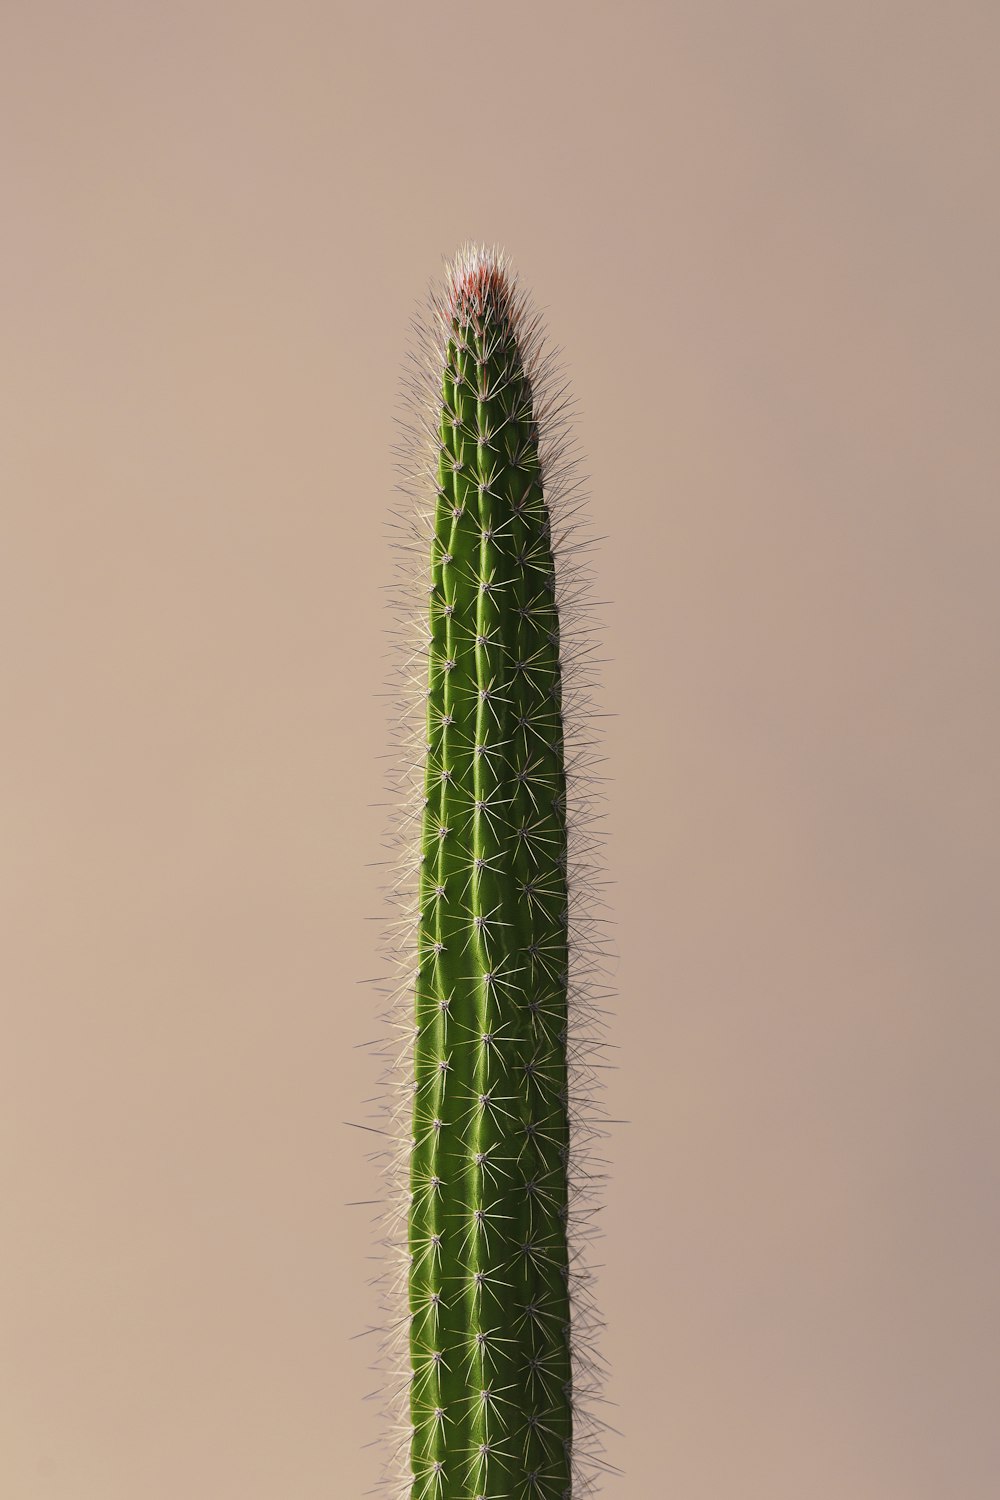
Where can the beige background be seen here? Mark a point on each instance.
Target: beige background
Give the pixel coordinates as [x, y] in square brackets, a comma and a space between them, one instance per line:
[767, 238]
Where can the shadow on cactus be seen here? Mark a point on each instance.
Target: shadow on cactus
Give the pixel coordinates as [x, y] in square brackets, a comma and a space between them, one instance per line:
[495, 1021]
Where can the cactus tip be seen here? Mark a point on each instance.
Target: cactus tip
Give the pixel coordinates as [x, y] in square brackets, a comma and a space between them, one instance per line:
[478, 277]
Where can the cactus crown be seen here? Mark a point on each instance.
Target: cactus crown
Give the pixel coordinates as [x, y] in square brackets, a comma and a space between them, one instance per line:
[496, 1005]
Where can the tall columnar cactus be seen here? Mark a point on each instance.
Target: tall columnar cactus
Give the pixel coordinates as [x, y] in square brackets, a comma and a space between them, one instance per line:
[499, 1050]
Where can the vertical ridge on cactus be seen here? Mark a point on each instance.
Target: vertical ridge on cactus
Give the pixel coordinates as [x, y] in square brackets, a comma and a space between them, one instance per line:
[496, 1012]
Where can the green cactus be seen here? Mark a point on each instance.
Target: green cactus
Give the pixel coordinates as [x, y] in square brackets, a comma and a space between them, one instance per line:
[494, 1317]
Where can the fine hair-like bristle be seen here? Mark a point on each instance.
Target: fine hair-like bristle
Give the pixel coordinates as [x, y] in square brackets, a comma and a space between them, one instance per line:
[477, 279]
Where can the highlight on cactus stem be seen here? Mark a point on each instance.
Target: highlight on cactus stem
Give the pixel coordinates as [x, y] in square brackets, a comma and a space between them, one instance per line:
[495, 1019]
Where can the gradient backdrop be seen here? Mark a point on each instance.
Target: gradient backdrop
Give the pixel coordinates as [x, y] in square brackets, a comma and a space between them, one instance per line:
[767, 237]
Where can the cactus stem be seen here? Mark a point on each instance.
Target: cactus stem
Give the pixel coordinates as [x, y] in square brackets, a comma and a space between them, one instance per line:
[496, 1005]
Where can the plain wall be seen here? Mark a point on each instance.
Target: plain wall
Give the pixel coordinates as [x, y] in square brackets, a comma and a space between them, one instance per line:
[766, 236]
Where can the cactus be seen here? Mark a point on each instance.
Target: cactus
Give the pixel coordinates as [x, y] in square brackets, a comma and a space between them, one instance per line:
[502, 972]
